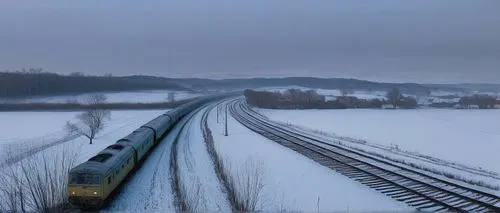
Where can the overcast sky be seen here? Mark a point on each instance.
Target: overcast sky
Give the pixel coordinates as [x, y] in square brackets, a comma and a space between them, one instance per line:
[398, 41]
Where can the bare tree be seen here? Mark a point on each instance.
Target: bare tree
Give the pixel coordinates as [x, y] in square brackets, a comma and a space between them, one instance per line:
[97, 99]
[247, 184]
[91, 121]
[345, 92]
[38, 183]
[394, 97]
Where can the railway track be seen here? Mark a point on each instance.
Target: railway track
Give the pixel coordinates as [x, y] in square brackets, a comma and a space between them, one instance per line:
[416, 189]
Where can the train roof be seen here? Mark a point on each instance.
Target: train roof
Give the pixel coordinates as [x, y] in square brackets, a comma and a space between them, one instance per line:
[157, 122]
[105, 160]
[137, 137]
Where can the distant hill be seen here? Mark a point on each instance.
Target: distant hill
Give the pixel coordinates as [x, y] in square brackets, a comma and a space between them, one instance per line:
[32, 83]
[36, 83]
[468, 87]
[310, 82]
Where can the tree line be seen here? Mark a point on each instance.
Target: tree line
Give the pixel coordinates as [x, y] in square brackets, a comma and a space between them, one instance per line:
[37, 82]
[482, 101]
[310, 99]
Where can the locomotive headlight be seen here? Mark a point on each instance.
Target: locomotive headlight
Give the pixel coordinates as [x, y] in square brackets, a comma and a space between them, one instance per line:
[72, 193]
[95, 193]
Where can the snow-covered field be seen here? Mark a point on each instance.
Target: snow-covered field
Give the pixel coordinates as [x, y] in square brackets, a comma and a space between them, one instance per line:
[112, 97]
[470, 137]
[292, 181]
[32, 127]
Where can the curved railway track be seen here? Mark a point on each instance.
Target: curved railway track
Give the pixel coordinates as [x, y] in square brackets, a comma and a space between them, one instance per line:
[419, 190]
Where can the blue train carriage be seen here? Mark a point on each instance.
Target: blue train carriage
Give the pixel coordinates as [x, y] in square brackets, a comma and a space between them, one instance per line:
[141, 140]
[173, 114]
[91, 182]
[160, 125]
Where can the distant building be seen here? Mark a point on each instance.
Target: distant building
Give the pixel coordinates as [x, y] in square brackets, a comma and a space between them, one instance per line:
[388, 106]
[474, 106]
[497, 105]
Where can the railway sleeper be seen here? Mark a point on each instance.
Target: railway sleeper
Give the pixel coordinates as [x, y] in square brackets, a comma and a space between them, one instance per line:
[367, 179]
[375, 184]
[418, 202]
[407, 197]
[405, 194]
[393, 190]
[382, 189]
[460, 202]
[421, 188]
[476, 208]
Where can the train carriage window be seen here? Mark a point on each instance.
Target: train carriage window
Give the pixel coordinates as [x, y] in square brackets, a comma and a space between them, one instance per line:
[84, 179]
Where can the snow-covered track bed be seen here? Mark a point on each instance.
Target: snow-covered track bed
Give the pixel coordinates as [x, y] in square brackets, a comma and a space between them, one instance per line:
[415, 188]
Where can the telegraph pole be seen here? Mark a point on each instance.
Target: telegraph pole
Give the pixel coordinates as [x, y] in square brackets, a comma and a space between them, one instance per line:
[218, 108]
[225, 133]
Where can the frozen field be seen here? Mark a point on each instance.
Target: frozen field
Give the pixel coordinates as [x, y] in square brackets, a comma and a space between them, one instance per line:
[113, 97]
[470, 137]
[31, 128]
[293, 182]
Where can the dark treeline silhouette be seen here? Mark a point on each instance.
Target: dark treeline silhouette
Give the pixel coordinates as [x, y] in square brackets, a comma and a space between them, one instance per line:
[81, 107]
[398, 100]
[309, 99]
[482, 101]
[309, 82]
[36, 82]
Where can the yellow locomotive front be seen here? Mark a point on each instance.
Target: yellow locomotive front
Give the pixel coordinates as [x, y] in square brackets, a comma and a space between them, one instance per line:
[85, 190]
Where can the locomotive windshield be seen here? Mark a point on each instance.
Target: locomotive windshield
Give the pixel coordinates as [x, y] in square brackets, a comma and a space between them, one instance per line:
[84, 179]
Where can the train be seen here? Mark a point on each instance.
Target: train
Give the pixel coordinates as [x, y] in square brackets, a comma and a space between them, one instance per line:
[91, 183]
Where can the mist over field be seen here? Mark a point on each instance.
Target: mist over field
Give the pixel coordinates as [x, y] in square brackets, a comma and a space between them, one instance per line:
[422, 41]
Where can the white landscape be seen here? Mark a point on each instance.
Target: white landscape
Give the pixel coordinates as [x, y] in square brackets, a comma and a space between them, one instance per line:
[467, 136]
[146, 96]
[464, 141]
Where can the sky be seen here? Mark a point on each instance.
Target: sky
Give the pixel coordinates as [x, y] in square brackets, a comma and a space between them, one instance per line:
[426, 41]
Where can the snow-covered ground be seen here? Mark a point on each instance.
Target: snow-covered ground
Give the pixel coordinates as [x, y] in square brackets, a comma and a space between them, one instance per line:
[146, 96]
[292, 181]
[197, 172]
[28, 128]
[470, 137]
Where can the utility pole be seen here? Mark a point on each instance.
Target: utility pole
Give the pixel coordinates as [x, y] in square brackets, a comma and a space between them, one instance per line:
[225, 133]
[218, 109]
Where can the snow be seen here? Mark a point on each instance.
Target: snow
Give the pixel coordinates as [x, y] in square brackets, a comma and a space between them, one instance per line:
[15, 124]
[294, 181]
[145, 96]
[32, 127]
[197, 171]
[470, 137]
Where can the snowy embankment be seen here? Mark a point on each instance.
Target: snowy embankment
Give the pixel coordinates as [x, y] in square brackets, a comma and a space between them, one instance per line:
[457, 142]
[197, 174]
[147, 96]
[291, 181]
